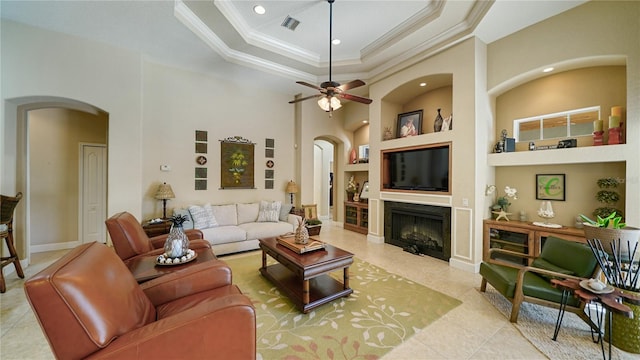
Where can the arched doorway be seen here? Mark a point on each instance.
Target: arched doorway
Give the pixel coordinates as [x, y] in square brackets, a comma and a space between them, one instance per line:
[324, 172]
[48, 134]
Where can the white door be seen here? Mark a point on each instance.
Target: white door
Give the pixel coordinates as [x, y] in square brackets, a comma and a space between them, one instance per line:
[93, 193]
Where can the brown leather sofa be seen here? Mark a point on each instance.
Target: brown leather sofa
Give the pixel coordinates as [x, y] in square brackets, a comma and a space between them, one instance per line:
[90, 306]
[130, 240]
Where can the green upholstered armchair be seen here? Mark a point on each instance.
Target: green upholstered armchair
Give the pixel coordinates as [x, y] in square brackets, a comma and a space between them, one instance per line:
[558, 259]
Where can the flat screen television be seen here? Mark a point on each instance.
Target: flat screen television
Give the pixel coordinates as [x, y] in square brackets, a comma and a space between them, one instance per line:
[420, 169]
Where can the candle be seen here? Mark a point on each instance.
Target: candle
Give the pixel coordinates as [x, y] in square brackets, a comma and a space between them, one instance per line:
[614, 122]
[597, 125]
[616, 111]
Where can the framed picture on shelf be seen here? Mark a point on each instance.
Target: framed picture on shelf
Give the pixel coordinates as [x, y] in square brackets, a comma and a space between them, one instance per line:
[310, 211]
[364, 193]
[550, 187]
[409, 124]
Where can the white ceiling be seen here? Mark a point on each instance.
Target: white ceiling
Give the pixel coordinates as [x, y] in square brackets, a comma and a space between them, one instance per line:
[227, 38]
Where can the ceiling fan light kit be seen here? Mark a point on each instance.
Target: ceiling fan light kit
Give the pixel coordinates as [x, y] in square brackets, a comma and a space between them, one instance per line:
[328, 105]
[330, 91]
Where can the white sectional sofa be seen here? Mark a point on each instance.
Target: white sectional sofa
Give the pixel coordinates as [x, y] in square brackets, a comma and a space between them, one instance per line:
[237, 227]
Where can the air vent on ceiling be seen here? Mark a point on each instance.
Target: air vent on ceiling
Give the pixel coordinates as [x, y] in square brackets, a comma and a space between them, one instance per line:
[290, 23]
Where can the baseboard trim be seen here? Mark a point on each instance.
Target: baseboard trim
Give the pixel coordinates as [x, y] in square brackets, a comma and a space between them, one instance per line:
[54, 247]
[463, 265]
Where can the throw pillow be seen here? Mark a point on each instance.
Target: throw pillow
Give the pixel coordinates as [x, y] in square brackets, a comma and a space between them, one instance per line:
[202, 216]
[269, 211]
[285, 209]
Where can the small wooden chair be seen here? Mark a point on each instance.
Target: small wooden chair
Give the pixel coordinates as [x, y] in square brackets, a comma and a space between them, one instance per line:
[7, 206]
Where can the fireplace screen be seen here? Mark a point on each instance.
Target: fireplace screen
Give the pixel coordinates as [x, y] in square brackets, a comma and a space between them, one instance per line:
[419, 229]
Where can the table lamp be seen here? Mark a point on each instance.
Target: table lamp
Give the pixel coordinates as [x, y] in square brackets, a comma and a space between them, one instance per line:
[164, 193]
[291, 189]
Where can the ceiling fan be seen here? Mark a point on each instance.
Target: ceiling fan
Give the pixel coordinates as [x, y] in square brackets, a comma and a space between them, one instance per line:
[330, 91]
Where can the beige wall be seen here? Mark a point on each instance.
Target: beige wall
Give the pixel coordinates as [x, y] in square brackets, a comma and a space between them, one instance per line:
[177, 103]
[429, 103]
[598, 33]
[109, 78]
[55, 136]
[603, 86]
[580, 189]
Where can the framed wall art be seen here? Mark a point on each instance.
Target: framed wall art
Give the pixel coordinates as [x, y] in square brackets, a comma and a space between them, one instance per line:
[310, 211]
[237, 163]
[409, 124]
[550, 187]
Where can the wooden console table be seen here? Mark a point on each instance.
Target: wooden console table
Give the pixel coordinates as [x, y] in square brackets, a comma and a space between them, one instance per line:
[356, 216]
[523, 237]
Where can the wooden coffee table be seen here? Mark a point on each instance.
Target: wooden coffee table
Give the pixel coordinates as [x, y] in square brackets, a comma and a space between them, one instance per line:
[304, 278]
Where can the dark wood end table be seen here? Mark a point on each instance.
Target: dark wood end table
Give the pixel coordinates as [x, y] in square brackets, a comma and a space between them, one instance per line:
[304, 278]
[156, 229]
[144, 268]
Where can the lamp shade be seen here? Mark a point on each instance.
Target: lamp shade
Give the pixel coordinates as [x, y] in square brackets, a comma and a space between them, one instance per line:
[329, 103]
[292, 187]
[164, 192]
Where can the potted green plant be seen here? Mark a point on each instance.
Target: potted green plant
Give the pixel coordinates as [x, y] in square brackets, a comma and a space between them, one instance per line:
[313, 226]
[608, 197]
[618, 268]
[609, 229]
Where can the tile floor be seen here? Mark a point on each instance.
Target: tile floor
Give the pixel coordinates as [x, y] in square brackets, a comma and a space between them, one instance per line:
[473, 330]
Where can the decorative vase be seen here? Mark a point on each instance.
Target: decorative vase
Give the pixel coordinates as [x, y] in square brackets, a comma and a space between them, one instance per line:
[177, 243]
[350, 196]
[387, 135]
[352, 156]
[302, 234]
[626, 332]
[546, 211]
[437, 124]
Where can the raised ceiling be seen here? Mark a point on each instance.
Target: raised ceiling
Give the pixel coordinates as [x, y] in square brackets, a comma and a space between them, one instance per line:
[227, 38]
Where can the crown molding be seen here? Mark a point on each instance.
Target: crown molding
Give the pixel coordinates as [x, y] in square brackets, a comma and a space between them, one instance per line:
[258, 39]
[200, 29]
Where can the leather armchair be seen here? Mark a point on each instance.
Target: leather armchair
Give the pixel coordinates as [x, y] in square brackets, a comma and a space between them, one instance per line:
[89, 306]
[559, 258]
[130, 240]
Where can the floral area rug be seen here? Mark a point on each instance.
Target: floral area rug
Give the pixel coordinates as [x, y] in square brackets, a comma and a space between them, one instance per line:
[384, 310]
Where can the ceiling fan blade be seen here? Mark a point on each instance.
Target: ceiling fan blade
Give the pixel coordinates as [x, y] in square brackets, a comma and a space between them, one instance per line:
[309, 85]
[351, 85]
[355, 98]
[304, 98]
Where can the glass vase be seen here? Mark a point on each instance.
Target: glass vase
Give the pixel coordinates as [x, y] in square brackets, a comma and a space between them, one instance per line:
[177, 243]
[546, 211]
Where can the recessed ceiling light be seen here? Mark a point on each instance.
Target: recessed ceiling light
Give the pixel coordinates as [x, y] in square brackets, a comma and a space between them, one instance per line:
[335, 41]
[365, 121]
[423, 84]
[549, 69]
[259, 9]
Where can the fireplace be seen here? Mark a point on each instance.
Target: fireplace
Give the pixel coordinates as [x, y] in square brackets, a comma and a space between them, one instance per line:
[419, 229]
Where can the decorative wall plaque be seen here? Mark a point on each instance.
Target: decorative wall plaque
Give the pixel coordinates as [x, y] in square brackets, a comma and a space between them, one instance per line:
[237, 163]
